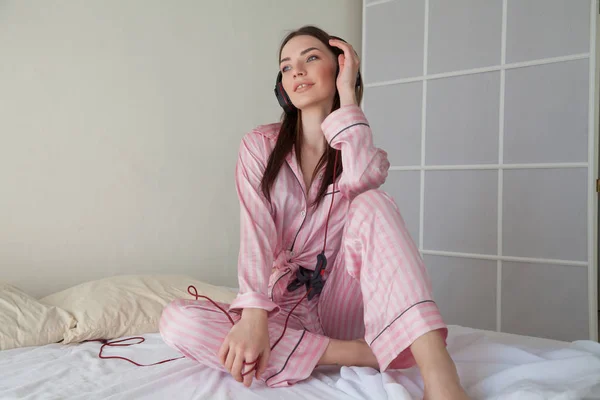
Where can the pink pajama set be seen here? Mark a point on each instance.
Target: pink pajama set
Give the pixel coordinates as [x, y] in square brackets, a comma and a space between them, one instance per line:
[377, 287]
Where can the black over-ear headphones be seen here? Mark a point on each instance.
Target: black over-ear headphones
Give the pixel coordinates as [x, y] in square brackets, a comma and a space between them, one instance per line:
[284, 99]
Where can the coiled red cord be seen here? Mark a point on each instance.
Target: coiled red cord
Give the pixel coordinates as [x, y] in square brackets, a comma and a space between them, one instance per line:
[115, 343]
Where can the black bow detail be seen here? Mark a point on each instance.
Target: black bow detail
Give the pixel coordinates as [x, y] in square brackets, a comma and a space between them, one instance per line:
[310, 279]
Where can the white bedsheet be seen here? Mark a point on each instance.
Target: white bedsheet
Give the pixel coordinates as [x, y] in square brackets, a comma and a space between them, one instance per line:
[491, 366]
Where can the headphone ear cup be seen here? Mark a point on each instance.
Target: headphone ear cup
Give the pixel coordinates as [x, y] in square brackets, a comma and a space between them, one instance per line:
[282, 97]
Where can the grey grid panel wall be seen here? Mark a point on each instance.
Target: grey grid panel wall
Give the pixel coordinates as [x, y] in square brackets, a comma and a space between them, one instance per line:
[482, 107]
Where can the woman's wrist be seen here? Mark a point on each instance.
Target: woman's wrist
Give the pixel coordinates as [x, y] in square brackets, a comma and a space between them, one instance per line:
[254, 313]
[347, 99]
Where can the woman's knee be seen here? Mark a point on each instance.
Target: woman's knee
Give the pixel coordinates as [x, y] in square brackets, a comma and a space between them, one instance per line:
[183, 316]
[189, 327]
[169, 320]
[372, 201]
[367, 197]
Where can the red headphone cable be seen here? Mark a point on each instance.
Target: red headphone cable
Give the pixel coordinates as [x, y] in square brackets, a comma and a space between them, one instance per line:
[118, 343]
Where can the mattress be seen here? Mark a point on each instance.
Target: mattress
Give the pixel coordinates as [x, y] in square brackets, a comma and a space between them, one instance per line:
[491, 366]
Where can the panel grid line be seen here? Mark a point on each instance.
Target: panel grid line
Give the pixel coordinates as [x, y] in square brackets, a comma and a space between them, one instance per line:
[491, 257]
[481, 70]
[364, 42]
[488, 166]
[376, 3]
[423, 127]
[592, 231]
[500, 204]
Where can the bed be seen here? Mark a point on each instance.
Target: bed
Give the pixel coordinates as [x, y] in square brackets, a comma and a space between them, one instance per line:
[492, 365]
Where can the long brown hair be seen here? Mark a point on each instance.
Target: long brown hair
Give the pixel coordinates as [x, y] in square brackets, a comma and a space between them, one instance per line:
[290, 132]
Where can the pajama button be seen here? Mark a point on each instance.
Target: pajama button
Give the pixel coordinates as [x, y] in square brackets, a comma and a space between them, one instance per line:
[303, 213]
[292, 254]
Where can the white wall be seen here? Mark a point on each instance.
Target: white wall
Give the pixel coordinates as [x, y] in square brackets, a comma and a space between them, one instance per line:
[120, 128]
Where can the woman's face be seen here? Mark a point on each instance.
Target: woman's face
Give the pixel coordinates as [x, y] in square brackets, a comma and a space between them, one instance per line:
[308, 72]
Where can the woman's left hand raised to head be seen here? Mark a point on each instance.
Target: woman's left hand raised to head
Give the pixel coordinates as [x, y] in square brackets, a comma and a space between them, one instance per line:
[346, 79]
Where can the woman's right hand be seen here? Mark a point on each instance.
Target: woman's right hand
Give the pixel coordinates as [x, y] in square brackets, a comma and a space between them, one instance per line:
[247, 341]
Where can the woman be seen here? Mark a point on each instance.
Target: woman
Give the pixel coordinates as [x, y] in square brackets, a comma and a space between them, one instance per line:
[375, 307]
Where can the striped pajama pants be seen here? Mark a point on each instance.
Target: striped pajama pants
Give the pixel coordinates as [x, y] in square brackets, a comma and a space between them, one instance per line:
[378, 289]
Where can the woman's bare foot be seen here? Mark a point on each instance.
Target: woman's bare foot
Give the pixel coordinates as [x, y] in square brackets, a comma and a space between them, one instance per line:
[349, 353]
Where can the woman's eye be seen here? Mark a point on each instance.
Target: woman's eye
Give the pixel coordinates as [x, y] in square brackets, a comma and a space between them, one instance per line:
[311, 57]
[285, 68]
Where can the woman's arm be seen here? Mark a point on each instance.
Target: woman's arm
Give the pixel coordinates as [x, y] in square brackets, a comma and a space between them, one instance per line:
[258, 235]
[437, 368]
[347, 129]
[365, 166]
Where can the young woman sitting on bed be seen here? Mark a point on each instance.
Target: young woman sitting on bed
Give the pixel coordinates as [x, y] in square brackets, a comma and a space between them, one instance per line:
[375, 308]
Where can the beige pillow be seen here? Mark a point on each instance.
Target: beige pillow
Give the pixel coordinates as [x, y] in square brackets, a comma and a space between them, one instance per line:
[24, 321]
[127, 304]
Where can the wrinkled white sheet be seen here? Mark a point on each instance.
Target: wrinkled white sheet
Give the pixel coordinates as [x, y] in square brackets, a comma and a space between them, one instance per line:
[491, 366]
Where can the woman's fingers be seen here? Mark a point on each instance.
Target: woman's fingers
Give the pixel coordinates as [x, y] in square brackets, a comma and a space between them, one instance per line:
[238, 364]
[262, 363]
[223, 350]
[342, 45]
[250, 366]
[349, 52]
[248, 373]
[230, 359]
[348, 71]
